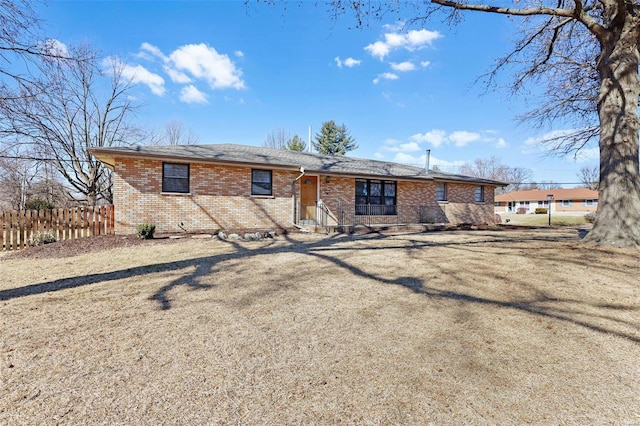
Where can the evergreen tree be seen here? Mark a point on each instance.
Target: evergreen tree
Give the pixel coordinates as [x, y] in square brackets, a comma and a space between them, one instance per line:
[334, 139]
[296, 144]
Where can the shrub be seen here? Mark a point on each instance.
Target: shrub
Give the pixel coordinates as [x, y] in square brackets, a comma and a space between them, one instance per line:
[590, 217]
[541, 210]
[146, 230]
[38, 204]
[44, 237]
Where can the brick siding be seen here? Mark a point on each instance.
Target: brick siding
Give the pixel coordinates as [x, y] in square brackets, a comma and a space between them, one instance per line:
[219, 198]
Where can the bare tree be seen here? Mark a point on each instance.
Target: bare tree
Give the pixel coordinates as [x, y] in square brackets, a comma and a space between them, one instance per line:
[21, 45]
[547, 184]
[18, 38]
[174, 133]
[73, 105]
[589, 177]
[16, 179]
[277, 139]
[493, 168]
[586, 54]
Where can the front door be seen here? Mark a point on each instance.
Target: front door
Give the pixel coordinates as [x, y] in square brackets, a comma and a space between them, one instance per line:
[308, 197]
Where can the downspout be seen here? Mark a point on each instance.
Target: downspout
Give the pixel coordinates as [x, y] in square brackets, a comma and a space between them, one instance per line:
[293, 195]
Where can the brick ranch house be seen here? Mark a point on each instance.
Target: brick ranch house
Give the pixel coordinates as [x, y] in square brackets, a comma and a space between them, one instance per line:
[215, 187]
[571, 200]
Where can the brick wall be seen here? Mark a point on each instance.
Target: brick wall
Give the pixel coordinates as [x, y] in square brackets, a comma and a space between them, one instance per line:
[219, 198]
[460, 207]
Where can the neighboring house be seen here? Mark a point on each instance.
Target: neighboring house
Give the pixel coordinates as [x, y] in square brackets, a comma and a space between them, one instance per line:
[212, 187]
[576, 200]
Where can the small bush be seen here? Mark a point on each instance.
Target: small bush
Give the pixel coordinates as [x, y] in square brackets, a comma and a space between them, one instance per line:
[146, 230]
[541, 210]
[40, 238]
[38, 204]
[590, 217]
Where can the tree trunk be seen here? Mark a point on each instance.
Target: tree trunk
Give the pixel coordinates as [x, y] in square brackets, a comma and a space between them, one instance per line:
[618, 217]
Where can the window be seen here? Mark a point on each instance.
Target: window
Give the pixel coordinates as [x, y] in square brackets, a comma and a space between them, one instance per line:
[567, 203]
[479, 194]
[375, 197]
[543, 203]
[261, 183]
[441, 191]
[590, 203]
[175, 177]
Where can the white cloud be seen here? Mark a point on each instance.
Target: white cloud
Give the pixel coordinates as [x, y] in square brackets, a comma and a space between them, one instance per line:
[435, 137]
[138, 74]
[204, 62]
[536, 145]
[501, 143]
[421, 38]
[385, 76]
[413, 40]
[421, 161]
[177, 76]
[413, 153]
[191, 95]
[149, 49]
[378, 49]
[446, 166]
[403, 66]
[350, 62]
[56, 48]
[425, 64]
[394, 145]
[554, 134]
[586, 155]
[462, 137]
[414, 160]
[186, 65]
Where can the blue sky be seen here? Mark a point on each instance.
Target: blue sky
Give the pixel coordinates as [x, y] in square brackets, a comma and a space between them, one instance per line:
[233, 74]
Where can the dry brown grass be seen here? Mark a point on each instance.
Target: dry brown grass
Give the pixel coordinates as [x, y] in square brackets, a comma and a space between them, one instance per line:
[482, 327]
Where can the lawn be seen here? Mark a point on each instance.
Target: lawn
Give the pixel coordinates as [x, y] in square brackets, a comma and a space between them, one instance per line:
[543, 219]
[480, 327]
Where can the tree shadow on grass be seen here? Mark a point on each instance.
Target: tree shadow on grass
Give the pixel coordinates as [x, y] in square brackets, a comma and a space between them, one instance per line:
[541, 305]
[574, 311]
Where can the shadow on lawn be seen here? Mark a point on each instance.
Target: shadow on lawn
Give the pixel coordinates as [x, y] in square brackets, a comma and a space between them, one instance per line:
[573, 311]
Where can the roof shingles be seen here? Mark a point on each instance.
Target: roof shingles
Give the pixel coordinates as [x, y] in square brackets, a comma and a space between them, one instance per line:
[312, 162]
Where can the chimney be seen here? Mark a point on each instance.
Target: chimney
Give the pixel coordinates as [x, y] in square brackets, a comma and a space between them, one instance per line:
[426, 167]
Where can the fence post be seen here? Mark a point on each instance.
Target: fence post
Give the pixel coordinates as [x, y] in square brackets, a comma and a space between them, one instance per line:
[4, 240]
